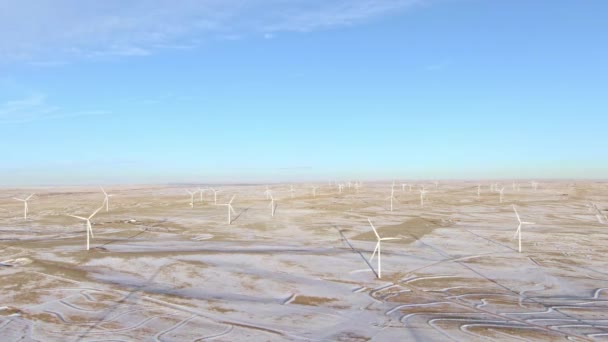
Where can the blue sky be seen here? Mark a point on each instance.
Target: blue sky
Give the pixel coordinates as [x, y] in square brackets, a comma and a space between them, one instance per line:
[274, 90]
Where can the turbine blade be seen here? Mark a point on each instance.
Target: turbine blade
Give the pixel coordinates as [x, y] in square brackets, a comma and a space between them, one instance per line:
[374, 228]
[517, 232]
[96, 211]
[518, 219]
[78, 217]
[375, 250]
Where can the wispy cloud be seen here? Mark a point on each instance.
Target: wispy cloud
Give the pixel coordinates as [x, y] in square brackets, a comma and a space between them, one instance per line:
[40, 30]
[36, 107]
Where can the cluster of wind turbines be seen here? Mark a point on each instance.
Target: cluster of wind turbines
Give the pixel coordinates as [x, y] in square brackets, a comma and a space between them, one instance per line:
[340, 186]
[518, 235]
[269, 196]
[493, 187]
[392, 198]
[229, 206]
[201, 191]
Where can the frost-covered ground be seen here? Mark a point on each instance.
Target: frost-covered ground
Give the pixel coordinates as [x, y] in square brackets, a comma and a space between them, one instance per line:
[159, 270]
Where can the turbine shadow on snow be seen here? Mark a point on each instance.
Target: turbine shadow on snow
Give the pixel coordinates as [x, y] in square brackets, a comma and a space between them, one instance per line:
[356, 251]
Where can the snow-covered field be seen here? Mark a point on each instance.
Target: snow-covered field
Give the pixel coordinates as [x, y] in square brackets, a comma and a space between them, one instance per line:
[159, 270]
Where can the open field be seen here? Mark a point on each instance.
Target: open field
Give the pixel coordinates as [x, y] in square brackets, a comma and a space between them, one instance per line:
[159, 270]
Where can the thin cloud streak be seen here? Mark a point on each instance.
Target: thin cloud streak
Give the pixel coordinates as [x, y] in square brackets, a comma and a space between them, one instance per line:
[35, 107]
[39, 31]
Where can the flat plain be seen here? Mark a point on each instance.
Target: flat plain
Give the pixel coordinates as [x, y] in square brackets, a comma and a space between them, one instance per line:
[159, 270]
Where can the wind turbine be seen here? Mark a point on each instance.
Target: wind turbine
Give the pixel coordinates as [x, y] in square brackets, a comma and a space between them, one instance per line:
[88, 224]
[215, 195]
[230, 209]
[403, 185]
[272, 206]
[600, 216]
[521, 223]
[379, 248]
[292, 192]
[267, 193]
[201, 190]
[191, 197]
[436, 184]
[478, 190]
[25, 207]
[501, 191]
[422, 195]
[314, 192]
[340, 186]
[106, 200]
[392, 196]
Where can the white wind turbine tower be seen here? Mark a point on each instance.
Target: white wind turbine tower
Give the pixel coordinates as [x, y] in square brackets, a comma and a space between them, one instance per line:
[379, 248]
[25, 207]
[191, 197]
[422, 195]
[201, 190]
[230, 209]
[88, 224]
[410, 185]
[106, 200]
[501, 191]
[392, 196]
[272, 205]
[267, 193]
[292, 192]
[340, 186]
[534, 185]
[521, 223]
[436, 184]
[215, 195]
[478, 190]
[403, 185]
[314, 192]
